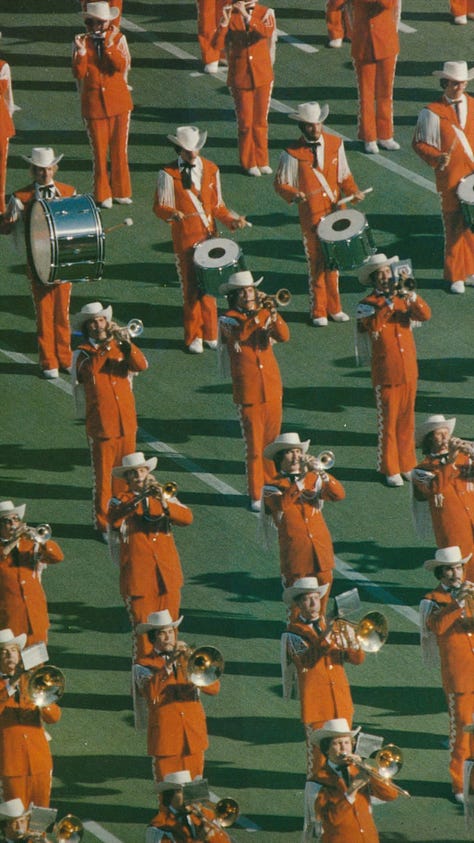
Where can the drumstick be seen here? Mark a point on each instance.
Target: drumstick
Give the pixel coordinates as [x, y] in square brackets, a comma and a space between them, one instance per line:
[353, 195]
[127, 221]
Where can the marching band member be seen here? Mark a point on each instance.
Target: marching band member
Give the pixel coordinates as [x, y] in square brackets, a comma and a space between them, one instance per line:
[444, 139]
[343, 802]
[209, 13]
[100, 61]
[7, 129]
[177, 730]
[188, 196]
[106, 358]
[375, 47]
[51, 301]
[444, 479]
[14, 821]
[26, 764]
[295, 500]
[385, 316]
[248, 33]
[313, 173]
[248, 331]
[447, 613]
[23, 603]
[177, 820]
[150, 569]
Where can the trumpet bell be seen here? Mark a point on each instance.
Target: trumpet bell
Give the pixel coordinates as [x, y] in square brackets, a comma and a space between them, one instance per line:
[227, 811]
[42, 533]
[372, 632]
[389, 761]
[283, 297]
[46, 685]
[169, 489]
[135, 328]
[69, 830]
[205, 666]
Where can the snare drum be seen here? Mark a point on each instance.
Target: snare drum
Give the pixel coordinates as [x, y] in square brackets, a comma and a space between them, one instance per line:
[65, 240]
[215, 260]
[465, 194]
[346, 239]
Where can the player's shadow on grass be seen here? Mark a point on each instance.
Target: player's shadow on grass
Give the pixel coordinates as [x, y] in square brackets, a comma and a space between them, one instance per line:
[77, 616]
[198, 623]
[256, 731]
[400, 700]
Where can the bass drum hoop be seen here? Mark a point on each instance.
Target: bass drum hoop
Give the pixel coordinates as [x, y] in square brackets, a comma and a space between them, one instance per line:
[340, 232]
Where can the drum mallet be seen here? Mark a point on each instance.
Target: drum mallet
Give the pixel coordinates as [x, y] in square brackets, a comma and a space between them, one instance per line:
[350, 198]
[127, 221]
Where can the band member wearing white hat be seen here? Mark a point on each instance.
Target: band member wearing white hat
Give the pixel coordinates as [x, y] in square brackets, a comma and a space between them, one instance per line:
[375, 47]
[444, 139]
[343, 801]
[385, 317]
[14, 821]
[51, 301]
[23, 605]
[117, 4]
[189, 197]
[444, 481]
[25, 759]
[319, 656]
[177, 730]
[447, 613]
[295, 501]
[178, 819]
[100, 61]
[105, 361]
[247, 30]
[151, 576]
[7, 129]
[314, 174]
[248, 332]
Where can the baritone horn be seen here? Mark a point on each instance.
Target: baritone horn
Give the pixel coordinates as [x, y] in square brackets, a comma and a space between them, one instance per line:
[205, 665]
[46, 685]
[371, 632]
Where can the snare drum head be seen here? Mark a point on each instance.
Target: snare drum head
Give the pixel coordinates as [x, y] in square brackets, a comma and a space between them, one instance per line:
[41, 243]
[216, 253]
[341, 225]
[465, 190]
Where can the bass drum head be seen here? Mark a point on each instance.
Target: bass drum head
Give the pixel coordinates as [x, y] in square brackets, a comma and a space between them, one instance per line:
[215, 260]
[346, 239]
[465, 190]
[41, 243]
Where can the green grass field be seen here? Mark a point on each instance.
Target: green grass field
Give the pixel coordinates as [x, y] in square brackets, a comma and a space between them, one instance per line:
[232, 593]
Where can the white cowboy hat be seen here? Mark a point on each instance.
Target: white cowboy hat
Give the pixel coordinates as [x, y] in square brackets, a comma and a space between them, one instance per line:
[333, 729]
[8, 508]
[158, 620]
[446, 556]
[173, 781]
[456, 71]
[285, 442]
[136, 460]
[13, 809]
[101, 11]
[374, 262]
[7, 638]
[305, 585]
[189, 138]
[42, 156]
[310, 112]
[433, 423]
[88, 312]
[238, 280]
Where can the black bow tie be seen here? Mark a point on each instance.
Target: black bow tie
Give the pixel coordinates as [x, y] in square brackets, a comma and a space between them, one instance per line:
[47, 191]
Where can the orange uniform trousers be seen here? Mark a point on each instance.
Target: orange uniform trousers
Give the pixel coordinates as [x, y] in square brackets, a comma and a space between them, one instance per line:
[323, 283]
[109, 135]
[199, 310]
[163, 766]
[461, 743]
[375, 82]
[251, 110]
[52, 324]
[209, 13]
[260, 425]
[396, 427]
[338, 20]
[30, 788]
[458, 245]
[461, 7]
[3, 172]
[105, 455]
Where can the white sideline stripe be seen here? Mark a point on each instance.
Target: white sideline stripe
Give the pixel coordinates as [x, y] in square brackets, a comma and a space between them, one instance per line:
[295, 42]
[403, 27]
[383, 595]
[100, 832]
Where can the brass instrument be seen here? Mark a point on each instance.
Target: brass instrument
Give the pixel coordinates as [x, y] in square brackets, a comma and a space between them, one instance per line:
[387, 763]
[461, 445]
[466, 592]
[402, 286]
[69, 829]
[46, 685]
[40, 534]
[204, 665]
[226, 813]
[280, 299]
[125, 333]
[371, 632]
[323, 462]
[161, 491]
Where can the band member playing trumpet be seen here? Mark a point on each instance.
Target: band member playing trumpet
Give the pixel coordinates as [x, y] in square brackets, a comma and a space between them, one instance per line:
[177, 730]
[248, 331]
[104, 362]
[313, 173]
[384, 318]
[344, 788]
[25, 758]
[447, 614]
[150, 569]
[189, 197]
[444, 139]
[23, 555]
[180, 820]
[444, 480]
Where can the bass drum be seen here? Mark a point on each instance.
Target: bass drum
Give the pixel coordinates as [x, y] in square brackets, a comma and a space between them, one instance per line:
[65, 240]
[215, 261]
[465, 194]
[346, 239]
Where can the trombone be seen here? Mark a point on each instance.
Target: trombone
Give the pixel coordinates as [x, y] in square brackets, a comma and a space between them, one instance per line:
[226, 812]
[388, 761]
[46, 685]
[203, 665]
[69, 829]
[371, 632]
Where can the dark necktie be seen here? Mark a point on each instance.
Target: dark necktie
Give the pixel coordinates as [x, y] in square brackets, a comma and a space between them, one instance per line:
[314, 150]
[457, 107]
[99, 45]
[47, 191]
[344, 774]
[186, 175]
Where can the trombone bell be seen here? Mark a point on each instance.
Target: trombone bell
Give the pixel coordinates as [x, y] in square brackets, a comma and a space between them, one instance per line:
[69, 830]
[227, 811]
[46, 685]
[205, 666]
[389, 760]
[372, 632]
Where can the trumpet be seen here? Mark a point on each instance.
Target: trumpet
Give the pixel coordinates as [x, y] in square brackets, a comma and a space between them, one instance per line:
[281, 298]
[370, 633]
[323, 462]
[124, 333]
[465, 592]
[161, 491]
[464, 446]
[387, 763]
[40, 534]
[402, 286]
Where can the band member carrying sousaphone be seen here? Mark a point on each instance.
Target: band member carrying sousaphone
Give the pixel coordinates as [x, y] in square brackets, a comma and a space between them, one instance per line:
[188, 196]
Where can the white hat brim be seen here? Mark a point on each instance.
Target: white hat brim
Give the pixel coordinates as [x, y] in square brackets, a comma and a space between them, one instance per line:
[142, 628]
[273, 448]
[15, 510]
[52, 163]
[431, 564]
[122, 470]
[114, 13]
[19, 640]
[202, 140]
[295, 115]
[226, 288]
[291, 593]
[440, 74]
[427, 427]
[365, 271]
[79, 319]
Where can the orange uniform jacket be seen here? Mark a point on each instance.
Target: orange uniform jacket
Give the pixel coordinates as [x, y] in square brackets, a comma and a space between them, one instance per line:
[166, 820]
[374, 33]
[23, 606]
[255, 374]
[176, 718]
[324, 689]
[7, 129]
[342, 821]
[450, 495]
[454, 630]
[149, 559]
[27, 194]
[103, 88]
[104, 371]
[393, 347]
[304, 539]
[248, 49]
[24, 748]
